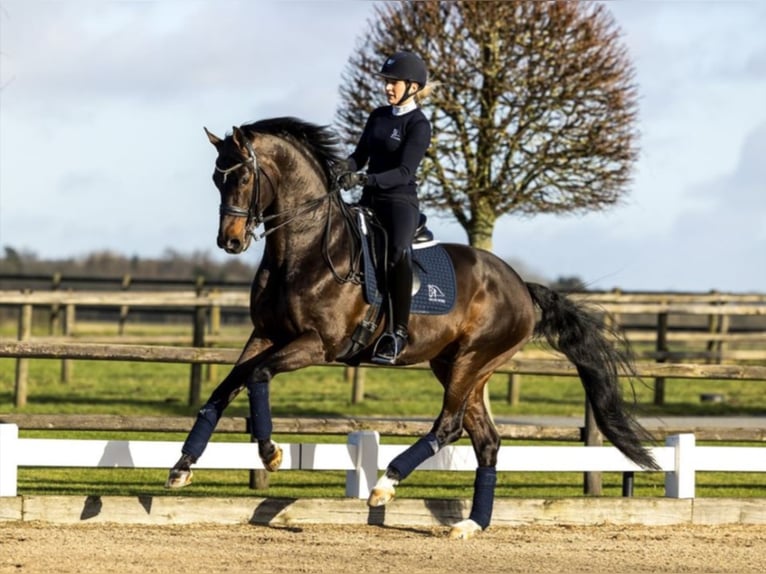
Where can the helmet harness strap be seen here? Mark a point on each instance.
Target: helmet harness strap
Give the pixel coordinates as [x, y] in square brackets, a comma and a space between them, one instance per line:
[407, 85]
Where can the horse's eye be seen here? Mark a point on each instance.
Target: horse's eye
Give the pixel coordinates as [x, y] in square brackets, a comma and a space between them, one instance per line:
[244, 179]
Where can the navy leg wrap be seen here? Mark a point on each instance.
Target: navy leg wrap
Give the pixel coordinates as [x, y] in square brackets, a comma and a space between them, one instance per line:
[411, 458]
[200, 434]
[260, 410]
[483, 495]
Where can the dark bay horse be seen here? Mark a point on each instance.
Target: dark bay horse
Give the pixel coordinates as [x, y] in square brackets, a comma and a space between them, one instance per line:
[304, 307]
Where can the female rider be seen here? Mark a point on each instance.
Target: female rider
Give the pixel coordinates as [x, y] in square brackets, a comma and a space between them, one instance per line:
[392, 145]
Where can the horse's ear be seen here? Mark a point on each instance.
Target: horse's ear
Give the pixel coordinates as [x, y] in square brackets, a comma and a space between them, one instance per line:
[214, 139]
[238, 136]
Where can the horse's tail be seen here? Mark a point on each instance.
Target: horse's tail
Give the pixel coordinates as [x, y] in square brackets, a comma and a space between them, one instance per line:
[572, 330]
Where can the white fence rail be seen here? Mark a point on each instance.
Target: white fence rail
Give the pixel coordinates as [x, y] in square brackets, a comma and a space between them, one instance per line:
[363, 456]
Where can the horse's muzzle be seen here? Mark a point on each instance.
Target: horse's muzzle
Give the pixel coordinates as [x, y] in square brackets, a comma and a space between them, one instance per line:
[233, 235]
[232, 245]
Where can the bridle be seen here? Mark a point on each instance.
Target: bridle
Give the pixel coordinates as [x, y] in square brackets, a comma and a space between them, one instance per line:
[253, 212]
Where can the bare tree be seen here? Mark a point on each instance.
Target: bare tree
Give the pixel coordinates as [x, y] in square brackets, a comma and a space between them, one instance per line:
[534, 111]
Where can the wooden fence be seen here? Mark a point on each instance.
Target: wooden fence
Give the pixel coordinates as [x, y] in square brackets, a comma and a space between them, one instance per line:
[705, 352]
[679, 335]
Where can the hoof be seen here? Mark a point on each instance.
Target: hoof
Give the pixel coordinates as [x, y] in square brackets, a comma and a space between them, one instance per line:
[273, 463]
[380, 496]
[178, 478]
[464, 530]
[384, 491]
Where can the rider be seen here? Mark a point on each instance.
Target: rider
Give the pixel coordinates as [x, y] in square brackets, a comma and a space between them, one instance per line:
[394, 142]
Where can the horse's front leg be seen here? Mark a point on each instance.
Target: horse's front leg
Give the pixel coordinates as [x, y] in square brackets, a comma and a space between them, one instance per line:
[301, 352]
[260, 419]
[208, 416]
[207, 419]
[255, 374]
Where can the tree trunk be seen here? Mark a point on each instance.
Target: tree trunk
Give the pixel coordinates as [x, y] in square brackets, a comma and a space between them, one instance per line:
[481, 226]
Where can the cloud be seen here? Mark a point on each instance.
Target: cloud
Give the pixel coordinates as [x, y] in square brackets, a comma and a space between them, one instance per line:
[118, 49]
[168, 49]
[716, 241]
[719, 242]
[738, 202]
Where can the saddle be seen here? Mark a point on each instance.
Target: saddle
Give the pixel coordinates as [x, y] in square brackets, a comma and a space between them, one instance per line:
[431, 267]
[433, 276]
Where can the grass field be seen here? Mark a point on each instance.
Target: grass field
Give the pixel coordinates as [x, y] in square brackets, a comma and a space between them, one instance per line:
[121, 388]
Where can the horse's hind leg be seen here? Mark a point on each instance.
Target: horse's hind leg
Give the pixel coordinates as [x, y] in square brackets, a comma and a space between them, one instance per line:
[486, 443]
[447, 429]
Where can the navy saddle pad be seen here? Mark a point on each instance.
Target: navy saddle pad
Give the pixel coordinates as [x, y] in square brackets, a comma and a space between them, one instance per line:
[433, 281]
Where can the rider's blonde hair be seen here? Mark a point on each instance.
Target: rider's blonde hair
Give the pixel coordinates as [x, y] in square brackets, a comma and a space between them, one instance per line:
[425, 91]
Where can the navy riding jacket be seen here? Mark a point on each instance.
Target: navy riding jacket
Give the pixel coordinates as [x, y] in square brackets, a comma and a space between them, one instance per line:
[394, 146]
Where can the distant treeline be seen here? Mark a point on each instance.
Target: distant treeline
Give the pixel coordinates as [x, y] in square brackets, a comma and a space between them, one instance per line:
[172, 264]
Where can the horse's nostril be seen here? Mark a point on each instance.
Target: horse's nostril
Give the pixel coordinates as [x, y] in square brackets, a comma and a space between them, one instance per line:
[234, 244]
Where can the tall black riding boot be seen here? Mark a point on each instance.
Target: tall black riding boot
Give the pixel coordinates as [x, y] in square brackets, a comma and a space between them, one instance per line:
[399, 288]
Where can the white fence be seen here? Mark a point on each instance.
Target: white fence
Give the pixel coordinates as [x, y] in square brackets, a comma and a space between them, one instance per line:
[363, 456]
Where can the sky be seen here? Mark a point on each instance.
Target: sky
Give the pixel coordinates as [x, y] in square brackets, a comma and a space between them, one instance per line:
[102, 105]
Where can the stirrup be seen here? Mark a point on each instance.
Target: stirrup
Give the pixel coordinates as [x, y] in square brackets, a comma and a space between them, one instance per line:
[389, 347]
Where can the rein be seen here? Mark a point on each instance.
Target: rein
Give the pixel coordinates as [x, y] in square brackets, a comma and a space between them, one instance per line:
[255, 216]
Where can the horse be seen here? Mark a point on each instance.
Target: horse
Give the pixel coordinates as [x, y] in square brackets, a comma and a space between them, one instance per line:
[306, 301]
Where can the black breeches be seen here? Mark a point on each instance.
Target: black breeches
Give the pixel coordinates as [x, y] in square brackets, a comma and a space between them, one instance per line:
[400, 220]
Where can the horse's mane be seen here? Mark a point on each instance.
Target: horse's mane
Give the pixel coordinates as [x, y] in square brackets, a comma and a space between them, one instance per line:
[321, 141]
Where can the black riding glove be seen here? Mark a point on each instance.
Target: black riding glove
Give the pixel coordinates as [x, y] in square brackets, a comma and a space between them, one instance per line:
[352, 179]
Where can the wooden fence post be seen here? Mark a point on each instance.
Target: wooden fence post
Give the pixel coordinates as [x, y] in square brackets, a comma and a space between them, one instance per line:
[514, 389]
[199, 318]
[215, 329]
[9, 467]
[67, 365]
[592, 480]
[198, 340]
[22, 365]
[718, 326]
[661, 347]
[361, 480]
[356, 374]
[53, 325]
[126, 279]
[723, 330]
[613, 320]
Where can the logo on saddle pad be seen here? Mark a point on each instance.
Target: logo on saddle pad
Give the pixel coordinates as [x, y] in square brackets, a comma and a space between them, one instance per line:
[436, 295]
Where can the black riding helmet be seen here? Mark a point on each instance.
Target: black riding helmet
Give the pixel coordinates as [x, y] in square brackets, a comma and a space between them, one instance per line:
[405, 66]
